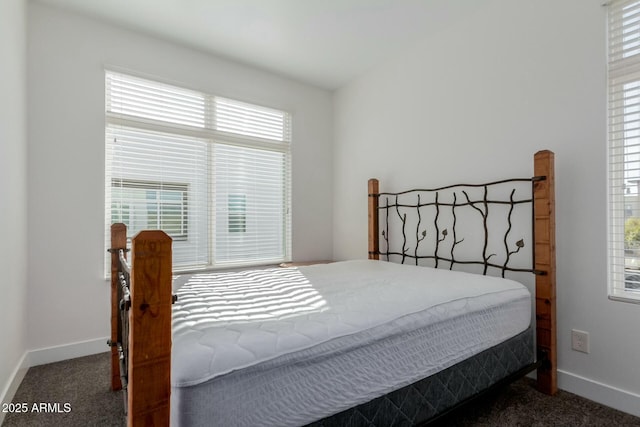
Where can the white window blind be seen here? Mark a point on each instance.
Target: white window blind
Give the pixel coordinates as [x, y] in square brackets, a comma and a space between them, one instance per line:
[624, 149]
[213, 173]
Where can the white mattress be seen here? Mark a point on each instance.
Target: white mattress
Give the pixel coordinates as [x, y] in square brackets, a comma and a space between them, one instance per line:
[290, 346]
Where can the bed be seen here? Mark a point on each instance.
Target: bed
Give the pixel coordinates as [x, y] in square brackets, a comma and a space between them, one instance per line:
[384, 341]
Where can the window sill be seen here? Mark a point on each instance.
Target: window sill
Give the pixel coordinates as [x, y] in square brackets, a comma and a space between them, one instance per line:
[302, 264]
[635, 299]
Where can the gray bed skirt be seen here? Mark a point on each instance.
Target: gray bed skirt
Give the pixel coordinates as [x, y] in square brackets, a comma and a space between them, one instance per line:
[422, 401]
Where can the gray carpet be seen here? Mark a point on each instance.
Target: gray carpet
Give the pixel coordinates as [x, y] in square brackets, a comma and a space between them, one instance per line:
[83, 384]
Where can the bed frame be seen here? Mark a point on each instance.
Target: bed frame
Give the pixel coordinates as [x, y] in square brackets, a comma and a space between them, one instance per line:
[144, 307]
[142, 297]
[544, 257]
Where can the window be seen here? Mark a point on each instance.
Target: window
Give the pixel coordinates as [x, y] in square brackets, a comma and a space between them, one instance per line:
[624, 149]
[150, 205]
[237, 218]
[213, 173]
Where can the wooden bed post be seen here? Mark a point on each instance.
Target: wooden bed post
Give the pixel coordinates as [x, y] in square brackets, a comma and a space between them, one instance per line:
[118, 241]
[545, 261]
[149, 386]
[374, 249]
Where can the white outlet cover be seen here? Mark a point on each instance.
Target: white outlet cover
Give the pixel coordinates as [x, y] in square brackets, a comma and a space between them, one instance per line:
[580, 341]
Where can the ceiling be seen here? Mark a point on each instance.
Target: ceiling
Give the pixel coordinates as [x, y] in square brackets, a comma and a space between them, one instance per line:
[321, 42]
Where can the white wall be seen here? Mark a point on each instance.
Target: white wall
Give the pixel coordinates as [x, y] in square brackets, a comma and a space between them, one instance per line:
[473, 102]
[68, 296]
[13, 187]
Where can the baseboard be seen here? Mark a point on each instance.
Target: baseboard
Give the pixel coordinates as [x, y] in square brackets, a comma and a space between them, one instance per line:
[67, 351]
[14, 382]
[613, 397]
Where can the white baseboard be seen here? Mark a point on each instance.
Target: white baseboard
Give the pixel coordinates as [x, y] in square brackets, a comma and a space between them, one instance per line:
[14, 382]
[613, 397]
[67, 351]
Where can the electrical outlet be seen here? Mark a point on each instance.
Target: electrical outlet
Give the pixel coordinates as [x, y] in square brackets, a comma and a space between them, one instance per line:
[580, 340]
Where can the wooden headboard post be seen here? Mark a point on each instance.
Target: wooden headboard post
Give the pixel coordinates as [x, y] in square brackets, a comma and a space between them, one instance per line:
[150, 330]
[374, 248]
[545, 263]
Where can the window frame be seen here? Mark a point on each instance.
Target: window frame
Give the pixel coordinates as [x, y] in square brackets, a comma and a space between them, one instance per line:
[246, 138]
[623, 68]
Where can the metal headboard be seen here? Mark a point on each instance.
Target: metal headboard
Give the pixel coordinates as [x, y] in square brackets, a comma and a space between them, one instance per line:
[428, 223]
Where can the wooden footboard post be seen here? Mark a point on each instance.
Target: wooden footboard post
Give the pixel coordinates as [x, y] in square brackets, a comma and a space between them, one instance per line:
[149, 387]
[545, 262]
[374, 249]
[118, 241]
